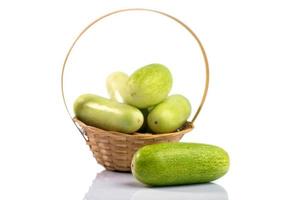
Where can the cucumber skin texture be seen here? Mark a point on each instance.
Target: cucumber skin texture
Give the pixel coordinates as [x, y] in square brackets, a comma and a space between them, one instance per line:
[149, 85]
[177, 163]
[107, 114]
[169, 115]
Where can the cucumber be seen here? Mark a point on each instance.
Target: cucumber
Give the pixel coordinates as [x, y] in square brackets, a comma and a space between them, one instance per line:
[116, 86]
[169, 115]
[107, 114]
[148, 86]
[179, 163]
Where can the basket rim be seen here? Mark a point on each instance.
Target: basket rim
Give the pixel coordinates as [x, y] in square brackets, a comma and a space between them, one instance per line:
[187, 127]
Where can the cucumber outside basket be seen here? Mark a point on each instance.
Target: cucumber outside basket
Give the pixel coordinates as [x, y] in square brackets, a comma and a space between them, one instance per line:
[115, 150]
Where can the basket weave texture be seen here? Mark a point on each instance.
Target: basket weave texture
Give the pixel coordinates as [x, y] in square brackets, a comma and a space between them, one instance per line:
[114, 150]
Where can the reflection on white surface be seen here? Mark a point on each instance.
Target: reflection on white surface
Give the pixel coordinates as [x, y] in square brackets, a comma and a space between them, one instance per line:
[123, 186]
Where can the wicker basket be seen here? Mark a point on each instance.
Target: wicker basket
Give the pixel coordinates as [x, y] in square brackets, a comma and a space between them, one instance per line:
[114, 150]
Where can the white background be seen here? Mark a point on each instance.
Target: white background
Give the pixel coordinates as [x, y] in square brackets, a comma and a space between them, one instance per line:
[252, 108]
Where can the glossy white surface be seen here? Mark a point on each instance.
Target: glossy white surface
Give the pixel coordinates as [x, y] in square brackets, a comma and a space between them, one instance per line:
[252, 109]
[123, 186]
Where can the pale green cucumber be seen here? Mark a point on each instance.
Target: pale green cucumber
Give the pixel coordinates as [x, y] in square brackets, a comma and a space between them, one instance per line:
[116, 86]
[107, 114]
[169, 115]
[148, 86]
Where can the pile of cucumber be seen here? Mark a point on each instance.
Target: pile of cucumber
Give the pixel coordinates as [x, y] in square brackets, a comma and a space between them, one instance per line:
[137, 103]
[140, 103]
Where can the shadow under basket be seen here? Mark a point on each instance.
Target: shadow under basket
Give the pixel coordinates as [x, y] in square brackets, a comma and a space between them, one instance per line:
[114, 150]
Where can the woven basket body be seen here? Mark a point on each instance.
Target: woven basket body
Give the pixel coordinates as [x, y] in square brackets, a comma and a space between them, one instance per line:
[115, 150]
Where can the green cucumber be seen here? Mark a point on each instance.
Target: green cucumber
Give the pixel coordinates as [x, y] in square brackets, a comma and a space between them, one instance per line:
[148, 86]
[169, 115]
[107, 114]
[179, 163]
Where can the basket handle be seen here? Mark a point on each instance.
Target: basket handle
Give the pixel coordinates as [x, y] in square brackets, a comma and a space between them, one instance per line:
[148, 10]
